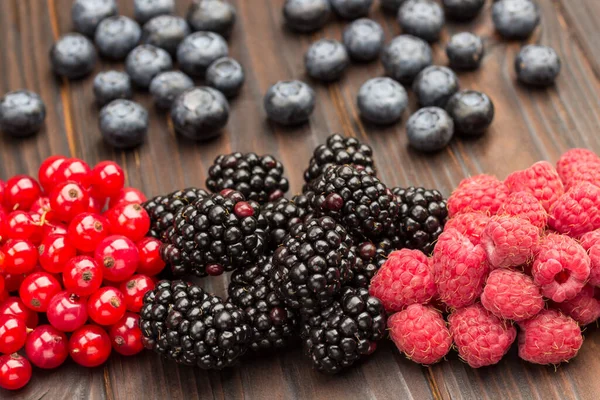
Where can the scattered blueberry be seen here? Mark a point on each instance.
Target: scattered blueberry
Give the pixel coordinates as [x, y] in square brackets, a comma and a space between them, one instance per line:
[429, 129]
[22, 113]
[363, 39]
[306, 15]
[326, 60]
[112, 85]
[73, 56]
[422, 18]
[382, 100]
[166, 32]
[166, 86]
[123, 124]
[465, 51]
[537, 65]
[117, 36]
[200, 113]
[405, 56]
[212, 15]
[435, 85]
[351, 9]
[226, 75]
[145, 62]
[289, 102]
[391, 5]
[515, 19]
[471, 111]
[462, 10]
[87, 14]
[145, 10]
[199, 50]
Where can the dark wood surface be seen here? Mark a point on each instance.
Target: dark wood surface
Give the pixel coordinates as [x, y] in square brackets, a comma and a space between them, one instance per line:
[530, 125]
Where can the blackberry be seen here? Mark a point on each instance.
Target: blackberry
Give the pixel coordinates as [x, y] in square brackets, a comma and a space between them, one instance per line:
[273, 324]
[344, 332]
[216, 233]
[423, 214]
[212, 15]
[283, 214]
[166, 32]
[289, 102]
[429, 129]
[258, 178]
[189, 326]
[22, 113]
[369, 258]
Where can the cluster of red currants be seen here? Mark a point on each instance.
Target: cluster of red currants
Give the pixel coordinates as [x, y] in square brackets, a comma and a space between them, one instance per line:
[72, 246]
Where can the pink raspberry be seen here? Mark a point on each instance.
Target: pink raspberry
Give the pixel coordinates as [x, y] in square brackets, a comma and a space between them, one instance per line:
[570, 160]
[481, 193]
[577, 211]
[460, 268]
[585, 172]
[512, 295]
[480, 337]
[561, 267]
[541, 180]
[420, 332]
[549, 338]
[525, 205]
[591, 243]
[469, 224]
[405, 278]
[583, 308]
[509, 241]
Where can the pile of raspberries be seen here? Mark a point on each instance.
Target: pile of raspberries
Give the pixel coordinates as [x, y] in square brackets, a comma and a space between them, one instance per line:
[519, 258]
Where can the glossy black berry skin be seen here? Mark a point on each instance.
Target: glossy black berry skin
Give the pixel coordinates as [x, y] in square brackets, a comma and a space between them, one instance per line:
[73, 56]
[405, 56]
[22, 113]
[382, 100]
[515, 19]
[326, 60]
[391, 6]
[462, 10]
[145, 62]
[306, 15]
[537, 65]
[212, 15]
[123, 124]
[112, 85]
[421, 18]
[429, 129]
[200, 49]
[87, 14]
[166, 32]
[435, 85]
[200, 113]
[283, 214]
[465, 51]
[145, 10]
[166, 86]
[351, 9]
[289, 102]
[471, 111]
[117, 36]
[363, 39]
[226, 75]
[370, 256]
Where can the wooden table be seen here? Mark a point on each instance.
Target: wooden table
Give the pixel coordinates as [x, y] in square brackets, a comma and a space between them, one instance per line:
[530, 125]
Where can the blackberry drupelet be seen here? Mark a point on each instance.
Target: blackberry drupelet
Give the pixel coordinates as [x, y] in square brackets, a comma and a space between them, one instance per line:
[258, 178]
[184, 323]
[283, 214]
[344, 332]
[369, 258]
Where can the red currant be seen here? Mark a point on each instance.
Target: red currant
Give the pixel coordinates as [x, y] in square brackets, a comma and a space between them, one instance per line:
[67, 312]
[151, 263]
[87, 230]
[118, 256]
[46, 347]
[2, 190]
[82, 276]
[75, 170]
[37, 290]
[20, 225]
[1, 283]
[3, 295]
[106, 306]
[127, 195]
[12, 282]
[126, 335]
[38, 233]
[69, 199]
[51, 228]
[90, 346]
[95, 206]
[129, 220]
[134, 290]
[55, 251]
[20, 256]
[3, 225]
[15, 371]
[13, 306]
[42, 207]
[108, 179]
[13, 333]
[47, 174]
[21, 192]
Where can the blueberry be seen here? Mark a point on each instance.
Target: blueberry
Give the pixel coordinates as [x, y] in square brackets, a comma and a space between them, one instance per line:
[166, 86]
[73, 56]
[123, 124]
[22, 113]
[351, 9]
[112, 85]
[117, 36]
[199, 50]
[435, 85]
[166, 32]
[462, 10]
[515, 19]
[391, 5]
[306, 15]
[226, 75]
[465, 51]
[212, 15]
[471, 111]
[326, 60]
[363, 39]
[382, 100]
[422, 18]
[87, 14]
[537, 65]
[200, 113]
[145, 62]
[429, 129]
[289, 102]
[405, 56]
[145, 10]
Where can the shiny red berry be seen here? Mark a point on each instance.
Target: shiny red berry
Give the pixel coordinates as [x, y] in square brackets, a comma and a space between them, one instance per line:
[108, 179]
[151, 263]
[118, 256]
[89, 346]
[127, 195]
[54, 228]
[21, 192]
[3, 294]
[20, 225]
[1, 283]
[42, 208]
[46, 347]
[75, 170]
[87, 230]
[130, 220]
[95, 206]
[2, 189]
[38, 233]
[13, 333]
[13, 306]
[15, 371]
[67, 312]
[37, 290]
[126, 335]
[47, 174]
[3, 225]
[55, 251]
[82, 275]
[134, 289]
[68, 199]
[243, 209]
[20, 256]
[106, 306]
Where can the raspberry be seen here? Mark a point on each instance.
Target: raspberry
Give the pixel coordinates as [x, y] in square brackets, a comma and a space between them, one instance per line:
[480, 337]
[583, 308]
[549, 338]
[525, 205]
[570, 160]
[585, 172]
[561, 267]
[509, 241]
[591, 243]
[405, 278]
[511, 295]
[577, 211]
[420, 332]
[469, 224]
[481, 193]
[460, 269]
[541, 180]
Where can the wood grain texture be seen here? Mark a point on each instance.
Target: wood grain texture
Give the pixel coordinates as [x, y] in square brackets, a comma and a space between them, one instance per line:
[529, 126]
